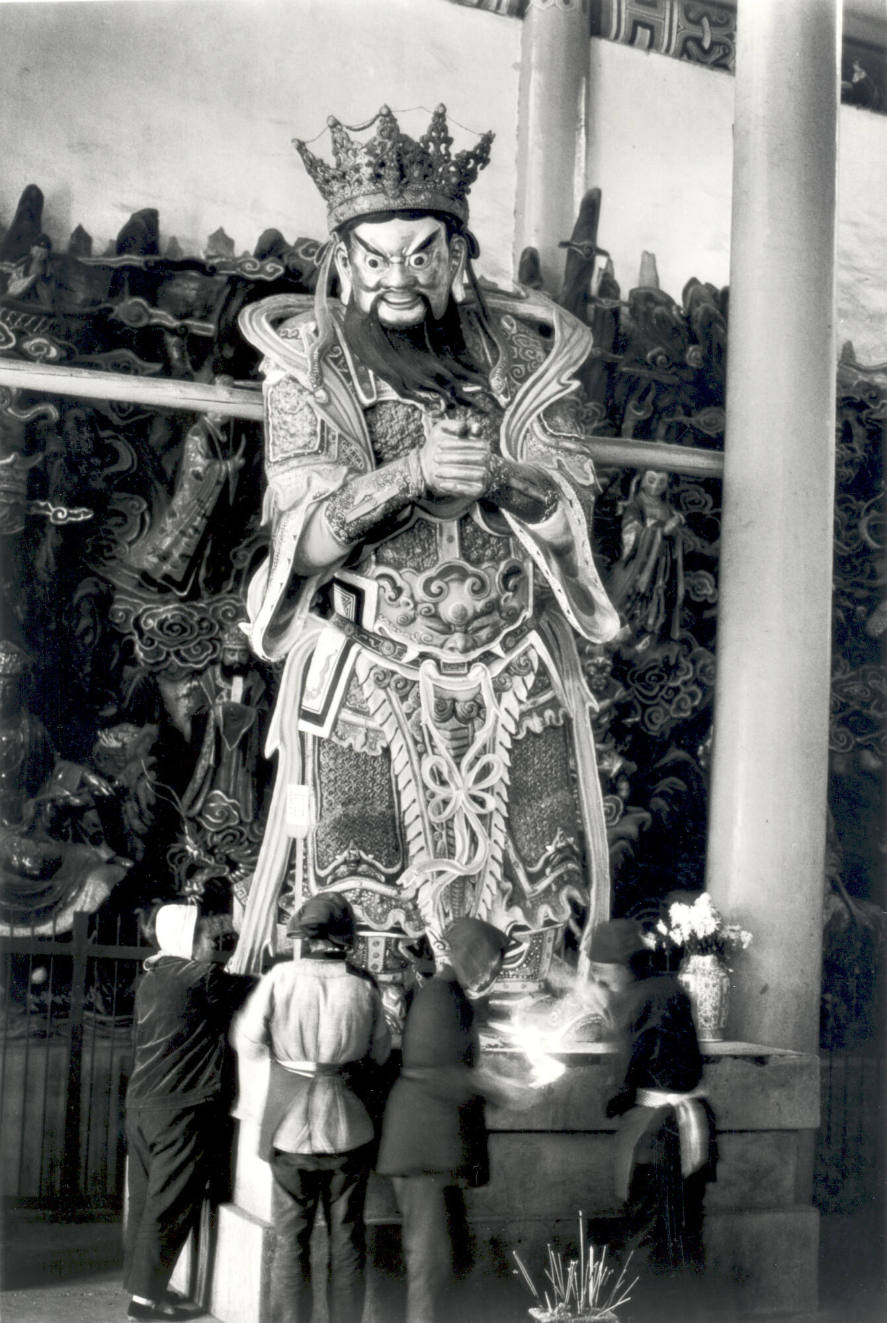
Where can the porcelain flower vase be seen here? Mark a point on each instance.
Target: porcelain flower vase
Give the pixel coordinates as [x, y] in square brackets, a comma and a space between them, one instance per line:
[707, 984]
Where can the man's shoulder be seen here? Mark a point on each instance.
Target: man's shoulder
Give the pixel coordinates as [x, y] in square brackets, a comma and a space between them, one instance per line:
[439, 994]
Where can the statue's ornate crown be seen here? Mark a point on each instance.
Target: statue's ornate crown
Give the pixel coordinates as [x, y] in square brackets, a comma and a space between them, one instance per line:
[392, 172]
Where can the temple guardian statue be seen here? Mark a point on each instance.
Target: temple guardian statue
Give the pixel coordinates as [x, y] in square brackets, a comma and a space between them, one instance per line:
[429, 500]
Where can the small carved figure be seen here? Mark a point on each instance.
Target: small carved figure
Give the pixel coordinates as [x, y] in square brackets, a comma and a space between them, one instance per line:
[226, 765]
[122, 754]
[43, 882]
[174, 549]
[647, 583]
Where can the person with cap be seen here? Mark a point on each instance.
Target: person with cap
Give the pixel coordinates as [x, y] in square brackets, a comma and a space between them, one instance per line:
[178, 1096]
[665, 1151]
[319, 1023]
[434, 1138]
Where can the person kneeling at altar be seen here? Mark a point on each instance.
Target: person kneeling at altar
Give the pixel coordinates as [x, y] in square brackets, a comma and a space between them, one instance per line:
[665, 1150]
[318, 1023]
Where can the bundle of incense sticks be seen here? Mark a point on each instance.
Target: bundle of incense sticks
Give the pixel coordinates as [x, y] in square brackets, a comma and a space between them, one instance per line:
[583, 1288]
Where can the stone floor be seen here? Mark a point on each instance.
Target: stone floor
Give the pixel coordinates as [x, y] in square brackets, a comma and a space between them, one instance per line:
[56, 1272]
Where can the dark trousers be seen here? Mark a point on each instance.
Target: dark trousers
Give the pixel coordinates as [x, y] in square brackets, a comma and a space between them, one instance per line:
[666, 1211]
[337, 1182]
[170, 1156]
[434, 1231]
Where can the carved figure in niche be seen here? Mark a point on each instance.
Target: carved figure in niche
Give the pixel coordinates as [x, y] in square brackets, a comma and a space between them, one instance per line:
[26, 752]
[429, 500]
[224, 781]
[647, 583]
[173, 551]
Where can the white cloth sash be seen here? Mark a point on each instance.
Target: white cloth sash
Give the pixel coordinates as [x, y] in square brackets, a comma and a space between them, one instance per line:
[692, 1123]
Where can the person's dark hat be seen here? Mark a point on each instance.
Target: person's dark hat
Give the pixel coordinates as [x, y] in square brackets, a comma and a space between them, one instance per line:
[325, 917]
[615, 942]
[474, 945]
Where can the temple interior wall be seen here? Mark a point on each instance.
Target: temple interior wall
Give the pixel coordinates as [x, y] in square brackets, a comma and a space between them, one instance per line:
[189, 106]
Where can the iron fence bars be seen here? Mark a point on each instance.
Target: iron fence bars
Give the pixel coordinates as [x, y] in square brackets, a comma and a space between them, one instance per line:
[66, 1030]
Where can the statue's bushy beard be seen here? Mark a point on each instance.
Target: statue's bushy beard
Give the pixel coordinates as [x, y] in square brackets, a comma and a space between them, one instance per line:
[428, 358]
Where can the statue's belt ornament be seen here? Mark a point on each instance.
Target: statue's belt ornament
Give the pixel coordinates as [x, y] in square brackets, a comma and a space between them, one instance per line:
[455, 612]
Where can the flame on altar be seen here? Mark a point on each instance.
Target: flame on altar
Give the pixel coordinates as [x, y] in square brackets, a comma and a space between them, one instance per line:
[572, 1016]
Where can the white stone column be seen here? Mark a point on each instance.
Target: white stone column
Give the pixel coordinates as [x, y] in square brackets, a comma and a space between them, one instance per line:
[552, 128]
[769, 773]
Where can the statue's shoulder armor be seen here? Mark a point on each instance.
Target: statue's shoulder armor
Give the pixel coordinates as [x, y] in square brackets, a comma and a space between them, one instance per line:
[531, 312]
[281, 328]
[542, 344]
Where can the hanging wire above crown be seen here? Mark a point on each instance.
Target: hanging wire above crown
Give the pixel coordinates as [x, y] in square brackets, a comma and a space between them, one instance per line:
[393, 172]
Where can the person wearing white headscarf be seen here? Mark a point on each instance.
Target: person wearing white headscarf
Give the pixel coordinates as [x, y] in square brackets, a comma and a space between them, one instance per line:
[176, 1101]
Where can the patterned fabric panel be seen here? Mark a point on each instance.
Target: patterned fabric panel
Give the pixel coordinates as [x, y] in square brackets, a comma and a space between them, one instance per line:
[542, 800]
[356, 807]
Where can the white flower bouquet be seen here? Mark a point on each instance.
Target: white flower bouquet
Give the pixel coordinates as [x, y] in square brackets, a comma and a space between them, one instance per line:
[697, 929]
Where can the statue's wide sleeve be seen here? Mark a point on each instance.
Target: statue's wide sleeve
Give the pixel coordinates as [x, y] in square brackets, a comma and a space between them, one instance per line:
[561, 544]
[305, 463]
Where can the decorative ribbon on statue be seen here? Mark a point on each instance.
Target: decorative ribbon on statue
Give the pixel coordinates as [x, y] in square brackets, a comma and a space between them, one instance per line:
[459, 793]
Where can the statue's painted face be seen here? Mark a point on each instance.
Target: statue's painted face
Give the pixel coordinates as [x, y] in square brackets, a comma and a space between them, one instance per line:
[654, 482]
[400, 268]
[235, 657]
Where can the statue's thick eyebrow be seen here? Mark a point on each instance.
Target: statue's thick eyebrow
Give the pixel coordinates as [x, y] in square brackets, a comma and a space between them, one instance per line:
[368, 247]
[426, 243]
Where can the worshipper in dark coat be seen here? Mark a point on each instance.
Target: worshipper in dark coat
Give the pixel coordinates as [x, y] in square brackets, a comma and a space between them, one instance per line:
[665, 1151]
[434, 1138]
[177, 1100]
[318, 1023]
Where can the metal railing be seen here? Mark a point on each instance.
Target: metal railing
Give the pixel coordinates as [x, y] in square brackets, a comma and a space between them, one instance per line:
[65, 1056]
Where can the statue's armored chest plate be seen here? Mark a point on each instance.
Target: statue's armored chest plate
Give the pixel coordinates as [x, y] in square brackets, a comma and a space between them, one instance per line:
[445, 584]
[449, 587]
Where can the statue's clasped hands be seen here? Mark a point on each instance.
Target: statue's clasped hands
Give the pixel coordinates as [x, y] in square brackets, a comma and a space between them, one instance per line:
[456, 459]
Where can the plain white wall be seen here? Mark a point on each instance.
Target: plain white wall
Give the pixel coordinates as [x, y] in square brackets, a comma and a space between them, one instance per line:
[862, 233]
[190, 106]
[661, 149]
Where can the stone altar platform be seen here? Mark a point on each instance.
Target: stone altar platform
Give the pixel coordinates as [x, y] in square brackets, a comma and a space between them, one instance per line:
[555, 1157]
